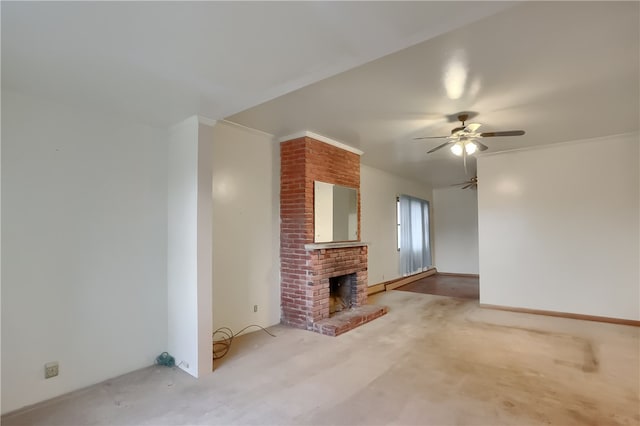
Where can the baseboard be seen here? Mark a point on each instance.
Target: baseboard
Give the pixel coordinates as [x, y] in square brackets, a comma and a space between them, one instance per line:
[374, 289]
[622, 321]
[411, 278]
[395, 283]
[455, 274]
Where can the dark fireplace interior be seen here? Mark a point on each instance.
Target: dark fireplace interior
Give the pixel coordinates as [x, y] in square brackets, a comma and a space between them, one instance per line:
[341, 293]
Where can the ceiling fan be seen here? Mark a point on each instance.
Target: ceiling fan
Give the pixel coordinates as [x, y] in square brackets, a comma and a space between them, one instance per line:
[465, 138]
[468, 184]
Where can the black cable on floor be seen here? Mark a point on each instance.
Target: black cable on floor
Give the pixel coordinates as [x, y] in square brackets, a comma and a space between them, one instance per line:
[225, 337]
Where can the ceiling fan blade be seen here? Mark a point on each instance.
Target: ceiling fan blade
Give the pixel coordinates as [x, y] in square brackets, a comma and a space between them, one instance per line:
[481, 146]
[507, 133]
[430, 137]
[472, 127]
[438, 147]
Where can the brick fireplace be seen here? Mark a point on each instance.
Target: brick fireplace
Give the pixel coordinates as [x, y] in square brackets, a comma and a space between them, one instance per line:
[307, 268]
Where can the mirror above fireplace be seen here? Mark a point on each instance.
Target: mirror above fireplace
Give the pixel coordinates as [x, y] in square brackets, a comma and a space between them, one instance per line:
[335, 213]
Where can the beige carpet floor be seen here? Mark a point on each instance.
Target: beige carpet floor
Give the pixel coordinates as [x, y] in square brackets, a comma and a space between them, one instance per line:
[431, 360]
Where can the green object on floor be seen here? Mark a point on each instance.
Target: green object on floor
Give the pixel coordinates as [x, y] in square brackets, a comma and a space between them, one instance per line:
[165, 359]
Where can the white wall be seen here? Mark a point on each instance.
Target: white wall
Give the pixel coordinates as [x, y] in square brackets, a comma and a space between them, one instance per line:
[246, 230]
[84, 247]
[205, 247]
[455, 225]
[189, 246]
[182, 243]
[379, 190]
[559, 228]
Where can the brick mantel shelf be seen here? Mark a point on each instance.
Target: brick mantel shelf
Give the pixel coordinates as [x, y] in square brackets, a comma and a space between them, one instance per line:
[321, 246]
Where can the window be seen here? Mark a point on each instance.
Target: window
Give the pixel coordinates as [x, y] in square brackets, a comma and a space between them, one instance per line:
[413, 234]
[398, 221]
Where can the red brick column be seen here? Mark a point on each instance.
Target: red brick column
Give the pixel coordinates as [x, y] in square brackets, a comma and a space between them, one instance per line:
[303, 161]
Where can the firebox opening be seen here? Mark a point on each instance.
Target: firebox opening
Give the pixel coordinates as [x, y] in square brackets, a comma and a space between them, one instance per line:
[340, 293]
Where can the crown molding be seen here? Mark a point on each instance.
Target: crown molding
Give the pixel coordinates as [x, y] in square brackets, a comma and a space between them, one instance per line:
[249, 129]
[206, 121]
[597, 139]
[321, 138]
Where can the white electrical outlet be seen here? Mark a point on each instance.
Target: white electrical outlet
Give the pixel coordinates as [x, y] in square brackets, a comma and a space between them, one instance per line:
[50, 370]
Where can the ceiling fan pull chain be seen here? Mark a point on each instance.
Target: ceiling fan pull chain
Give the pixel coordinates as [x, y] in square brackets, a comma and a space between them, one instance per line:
[464, 161]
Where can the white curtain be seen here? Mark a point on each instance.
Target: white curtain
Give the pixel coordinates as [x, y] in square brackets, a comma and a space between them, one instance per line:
[415, 250]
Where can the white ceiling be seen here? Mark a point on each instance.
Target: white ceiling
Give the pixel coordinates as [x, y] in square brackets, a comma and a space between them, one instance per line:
[561, 71]
[160, 62]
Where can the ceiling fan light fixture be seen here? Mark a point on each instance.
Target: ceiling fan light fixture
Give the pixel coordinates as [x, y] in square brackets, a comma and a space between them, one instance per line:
[457, 149]
[466, 138]
[470, 147]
